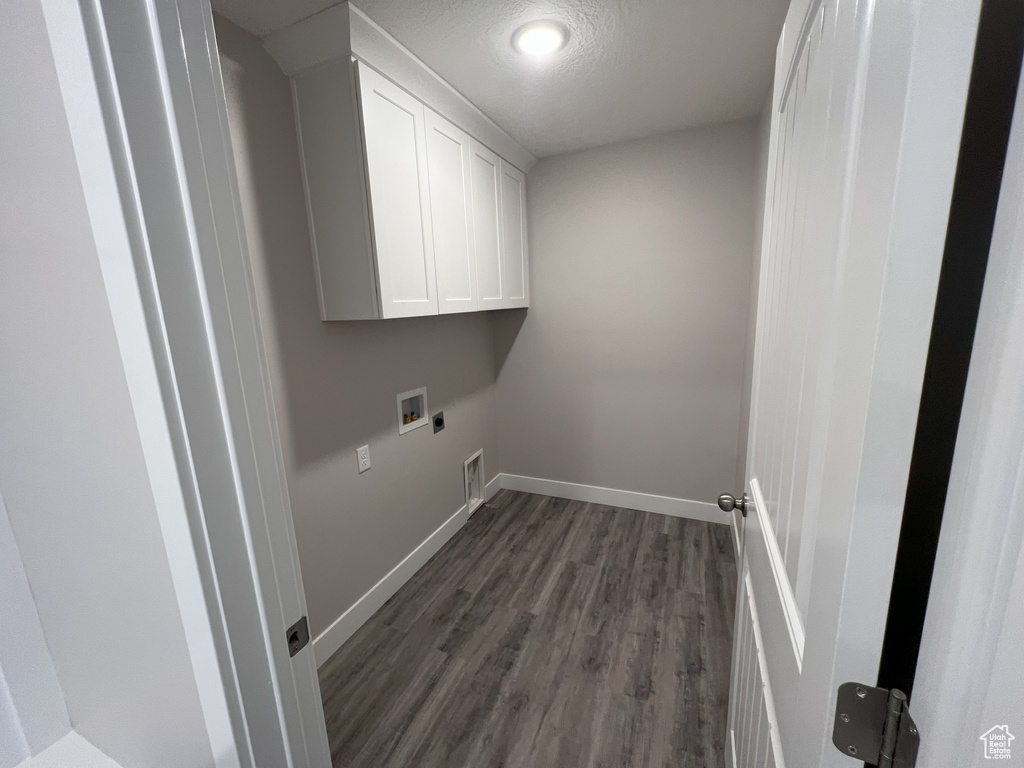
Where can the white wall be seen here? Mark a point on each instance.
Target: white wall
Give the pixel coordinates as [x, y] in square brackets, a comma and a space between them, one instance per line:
[72, 473]
[627, 370]
[32, 711]
[335, 383]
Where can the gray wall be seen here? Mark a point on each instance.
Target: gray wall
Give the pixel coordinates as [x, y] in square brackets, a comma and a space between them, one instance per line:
[764, 135]
[627, 370]
[72, 472]
[335, 383]
[32, 711]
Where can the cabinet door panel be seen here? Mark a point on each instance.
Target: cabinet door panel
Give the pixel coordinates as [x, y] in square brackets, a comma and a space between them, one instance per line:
[513, 229]
[448, 161]
[485, 169]
[396, 158]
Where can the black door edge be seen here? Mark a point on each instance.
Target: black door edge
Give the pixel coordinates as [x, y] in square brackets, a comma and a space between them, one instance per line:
[992, 92]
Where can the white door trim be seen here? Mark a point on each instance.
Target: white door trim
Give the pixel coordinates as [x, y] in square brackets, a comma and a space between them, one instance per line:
[981, 545]
[158, 424]
[157, 72]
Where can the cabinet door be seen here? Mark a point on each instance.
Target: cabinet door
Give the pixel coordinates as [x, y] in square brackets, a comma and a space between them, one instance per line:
[448, 160]
[396, 161]
[513, 233]
[485, 171]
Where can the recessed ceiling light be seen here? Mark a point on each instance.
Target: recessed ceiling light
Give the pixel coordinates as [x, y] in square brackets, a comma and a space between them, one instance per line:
[539, 38]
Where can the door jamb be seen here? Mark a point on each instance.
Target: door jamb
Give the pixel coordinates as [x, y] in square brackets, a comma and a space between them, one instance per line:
[988, 116]
[157, 73]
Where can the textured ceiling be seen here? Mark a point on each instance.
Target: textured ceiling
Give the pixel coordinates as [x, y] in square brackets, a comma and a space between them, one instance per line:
[631, 68]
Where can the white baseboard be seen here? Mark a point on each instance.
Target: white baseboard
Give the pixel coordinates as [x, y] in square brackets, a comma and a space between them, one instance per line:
[71, 750]
[645, 502]
[493, 487]
[332, 638]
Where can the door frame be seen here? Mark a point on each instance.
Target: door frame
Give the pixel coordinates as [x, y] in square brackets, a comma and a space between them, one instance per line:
[203, 328]
[988, 119]
[969, 624]
[154, 149]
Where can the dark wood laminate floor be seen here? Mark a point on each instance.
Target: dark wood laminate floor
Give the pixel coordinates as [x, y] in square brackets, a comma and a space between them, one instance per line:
[546, 633]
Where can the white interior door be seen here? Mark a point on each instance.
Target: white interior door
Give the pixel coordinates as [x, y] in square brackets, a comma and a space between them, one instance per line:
[485, 171]
[396, 160]
[451, 210]
[867, 107]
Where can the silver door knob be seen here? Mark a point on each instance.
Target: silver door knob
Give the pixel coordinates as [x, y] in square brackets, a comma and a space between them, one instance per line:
[727, 503]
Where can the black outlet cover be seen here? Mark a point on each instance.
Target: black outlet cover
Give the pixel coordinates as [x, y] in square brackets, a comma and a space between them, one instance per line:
[438, 421]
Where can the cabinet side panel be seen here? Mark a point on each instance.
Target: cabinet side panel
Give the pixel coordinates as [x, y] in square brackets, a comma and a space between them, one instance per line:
[336, 198]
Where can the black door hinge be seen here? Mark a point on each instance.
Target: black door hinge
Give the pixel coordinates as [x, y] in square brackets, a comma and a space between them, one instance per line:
[874, 725]
[298, 636]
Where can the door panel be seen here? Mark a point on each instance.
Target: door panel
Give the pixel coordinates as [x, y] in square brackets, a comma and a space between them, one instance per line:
[396, 159]
[485, 167]
[861, 163]
[754, 740]
[513, 229]
[448, 163]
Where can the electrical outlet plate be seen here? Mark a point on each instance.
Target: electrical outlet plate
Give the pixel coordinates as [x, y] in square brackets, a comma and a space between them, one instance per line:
[438, 421]
[363, 458]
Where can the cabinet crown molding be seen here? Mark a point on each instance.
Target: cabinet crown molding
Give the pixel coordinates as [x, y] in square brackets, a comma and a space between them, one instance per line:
[343, 30]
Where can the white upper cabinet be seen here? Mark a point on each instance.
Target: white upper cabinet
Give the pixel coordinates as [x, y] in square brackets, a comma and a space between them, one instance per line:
[485, 168]
[499, 220]
[394, 131]
[513, 237]
[411, 210]
[448, 169]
